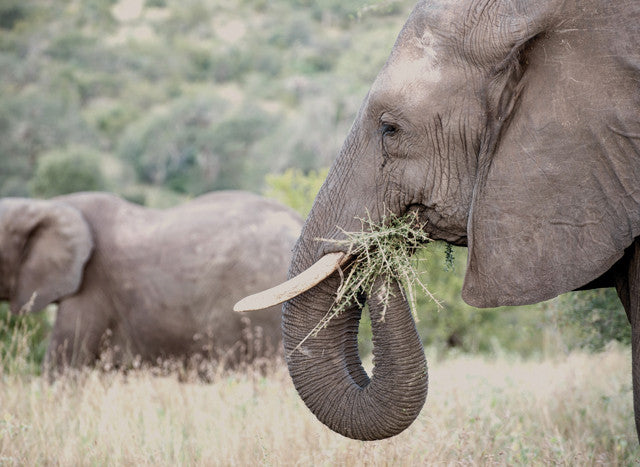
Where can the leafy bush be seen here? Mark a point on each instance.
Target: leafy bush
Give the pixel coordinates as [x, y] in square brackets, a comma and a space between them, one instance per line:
[11, 12]
[295, 188]
[451, 325]
[62, 172]
[66, 47]
[163, 146]
[33, 123]
[111, 119]
[336, 12]
[594, 318]
[196, 145]
[23, 341]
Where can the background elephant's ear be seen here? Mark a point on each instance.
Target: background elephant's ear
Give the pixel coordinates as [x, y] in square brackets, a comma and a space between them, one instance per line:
[558, 197]
[56, 248]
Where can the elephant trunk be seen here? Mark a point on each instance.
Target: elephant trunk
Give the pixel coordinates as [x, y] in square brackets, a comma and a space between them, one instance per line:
[326, 368]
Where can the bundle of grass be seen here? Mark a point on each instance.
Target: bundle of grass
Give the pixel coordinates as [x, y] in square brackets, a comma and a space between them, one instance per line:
[386, 249]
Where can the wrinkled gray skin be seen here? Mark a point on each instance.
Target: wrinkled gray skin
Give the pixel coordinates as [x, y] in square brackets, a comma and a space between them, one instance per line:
[162, 281]
[511, 127]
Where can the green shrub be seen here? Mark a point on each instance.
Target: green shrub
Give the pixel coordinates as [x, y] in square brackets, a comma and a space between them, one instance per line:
[67, 171]
[196, 145]
[34, 122]
[293, 33]
[295, 188]
[111, 120]
[23, 341]
[593, 318]
[452, 325]
[66, 47]
[230, 64]
[12, 11]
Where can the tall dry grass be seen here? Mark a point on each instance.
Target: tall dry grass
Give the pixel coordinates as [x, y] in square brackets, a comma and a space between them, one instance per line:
[572, 410]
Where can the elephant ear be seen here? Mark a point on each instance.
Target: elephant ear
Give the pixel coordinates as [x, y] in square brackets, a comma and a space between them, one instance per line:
[55, 244]
[557, 199]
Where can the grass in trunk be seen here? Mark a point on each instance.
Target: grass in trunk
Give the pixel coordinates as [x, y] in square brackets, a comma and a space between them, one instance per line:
[386, 249]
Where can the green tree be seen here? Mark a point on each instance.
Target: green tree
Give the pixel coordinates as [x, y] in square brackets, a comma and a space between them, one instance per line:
[456, 325]
[31, 124]
[67, 171]
[295, 188]
[593, 318]
[197, 145]
[11, 12]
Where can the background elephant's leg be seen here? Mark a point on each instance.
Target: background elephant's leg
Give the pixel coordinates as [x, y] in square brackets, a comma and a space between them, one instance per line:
[76, 337]
[628, 287]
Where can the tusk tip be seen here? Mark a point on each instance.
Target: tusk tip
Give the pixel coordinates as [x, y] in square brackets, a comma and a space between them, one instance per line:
[259, 301]
[242, 306]
[293, 287]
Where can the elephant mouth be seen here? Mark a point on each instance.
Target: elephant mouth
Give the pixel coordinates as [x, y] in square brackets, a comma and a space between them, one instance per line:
[309, 278]
[437, 226]
[329, 262]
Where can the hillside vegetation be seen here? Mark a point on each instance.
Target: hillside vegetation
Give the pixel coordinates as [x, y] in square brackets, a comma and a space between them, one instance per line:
[186, 96]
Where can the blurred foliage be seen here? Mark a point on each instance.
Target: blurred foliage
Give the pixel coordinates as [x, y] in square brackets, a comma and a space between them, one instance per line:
[192, 95]
[62, 172]
[456, 325]
[12, 11]
[23, 340]
[195, 146]
[296, 189]
[453, 326]
[593, 318]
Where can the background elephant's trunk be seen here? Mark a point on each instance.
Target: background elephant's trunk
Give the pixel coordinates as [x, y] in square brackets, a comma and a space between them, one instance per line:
[327, 371]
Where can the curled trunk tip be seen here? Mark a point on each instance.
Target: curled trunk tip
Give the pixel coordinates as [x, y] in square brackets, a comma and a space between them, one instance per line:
[328, 373]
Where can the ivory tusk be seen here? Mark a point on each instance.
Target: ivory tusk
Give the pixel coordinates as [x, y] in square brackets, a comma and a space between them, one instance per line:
[308, 278]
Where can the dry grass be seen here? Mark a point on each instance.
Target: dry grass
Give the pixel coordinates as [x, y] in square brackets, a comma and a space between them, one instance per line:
[574, 410]
[385, 249]
[382, 249]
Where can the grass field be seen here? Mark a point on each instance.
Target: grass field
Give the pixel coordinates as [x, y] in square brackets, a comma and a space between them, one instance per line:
[572, 410]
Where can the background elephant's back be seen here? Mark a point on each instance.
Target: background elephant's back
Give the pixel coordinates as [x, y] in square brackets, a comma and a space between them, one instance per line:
[242, 233]
[224, 246]
[249, 249]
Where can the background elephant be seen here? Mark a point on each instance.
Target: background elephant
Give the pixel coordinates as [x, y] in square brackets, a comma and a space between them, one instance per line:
[511, 127]
[162, 282]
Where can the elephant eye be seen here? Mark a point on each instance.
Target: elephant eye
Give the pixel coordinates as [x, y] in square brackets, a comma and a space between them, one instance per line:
[388, 129]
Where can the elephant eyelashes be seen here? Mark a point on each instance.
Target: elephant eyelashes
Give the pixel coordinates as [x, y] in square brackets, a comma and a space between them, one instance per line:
[388, 129]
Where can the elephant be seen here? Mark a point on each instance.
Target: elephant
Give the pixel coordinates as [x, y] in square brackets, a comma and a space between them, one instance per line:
[510, 127]
[158, 283]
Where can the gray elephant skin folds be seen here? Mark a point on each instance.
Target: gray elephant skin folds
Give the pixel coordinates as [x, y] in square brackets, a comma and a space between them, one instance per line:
[158, 283]
[511, 127]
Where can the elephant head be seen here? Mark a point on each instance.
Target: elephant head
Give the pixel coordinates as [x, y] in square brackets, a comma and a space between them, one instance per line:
[44, 246]
[511, 127]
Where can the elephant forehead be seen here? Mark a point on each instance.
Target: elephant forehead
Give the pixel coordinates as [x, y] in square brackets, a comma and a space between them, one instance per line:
[407, 82]
[414, 63]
